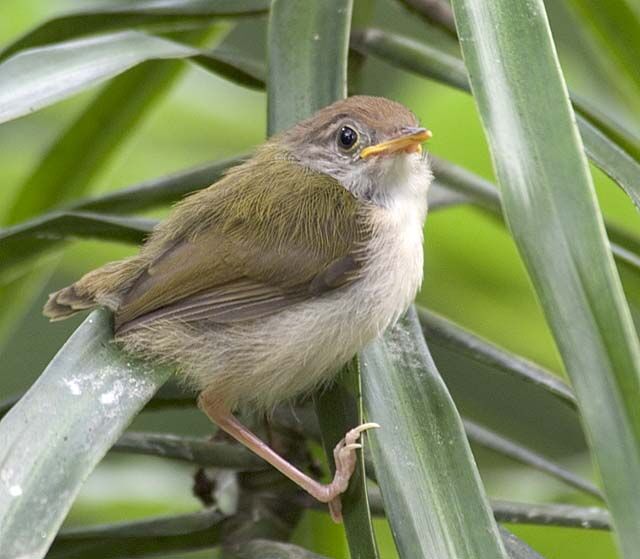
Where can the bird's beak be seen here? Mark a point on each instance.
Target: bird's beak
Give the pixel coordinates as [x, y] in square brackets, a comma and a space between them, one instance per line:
[409, 141]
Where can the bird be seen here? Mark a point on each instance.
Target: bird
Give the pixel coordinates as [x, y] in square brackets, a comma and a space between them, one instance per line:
[259, 288]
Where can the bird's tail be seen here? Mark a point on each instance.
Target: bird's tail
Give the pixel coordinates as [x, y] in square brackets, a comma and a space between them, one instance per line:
[102, 287]
[66, 302]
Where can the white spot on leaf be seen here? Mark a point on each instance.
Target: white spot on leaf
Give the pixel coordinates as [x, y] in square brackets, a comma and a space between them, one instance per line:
[73, 386]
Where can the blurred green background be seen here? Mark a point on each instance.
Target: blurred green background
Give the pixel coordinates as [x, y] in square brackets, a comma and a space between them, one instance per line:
[472, 273]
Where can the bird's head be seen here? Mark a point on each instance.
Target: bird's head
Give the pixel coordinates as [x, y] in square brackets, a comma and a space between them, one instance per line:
[372, 146]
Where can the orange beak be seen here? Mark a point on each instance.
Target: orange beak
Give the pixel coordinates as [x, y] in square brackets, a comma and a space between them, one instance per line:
[409, 142]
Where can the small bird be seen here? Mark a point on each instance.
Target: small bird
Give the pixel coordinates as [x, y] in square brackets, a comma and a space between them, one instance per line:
[260, 287]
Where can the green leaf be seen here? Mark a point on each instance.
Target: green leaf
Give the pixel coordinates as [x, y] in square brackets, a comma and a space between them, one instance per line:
[96, 133]
[339, 409]
[53, 438]
[234, 66]
[39, 77]
[431, 488]
[612, 159]
[550, 205]
[27, 240]
[477, 190]
[441, 197]
[486, 438]
[171, 395]
[511, 512]
[446, 333]
[308, 48]
[616, 25]
[158, 192]
[205, 529]
[604, 148]
[133, 14]
[201, 451]
[611, 128]
[143, 538]
[22, 243]
[569, 516]
[624, 245]
[503, 391]
[434, 12]
[7, 404]
[85, 224]
[418, 57]
[516, 548]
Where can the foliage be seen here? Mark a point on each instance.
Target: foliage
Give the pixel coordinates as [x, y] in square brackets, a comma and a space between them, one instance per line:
[420, 477]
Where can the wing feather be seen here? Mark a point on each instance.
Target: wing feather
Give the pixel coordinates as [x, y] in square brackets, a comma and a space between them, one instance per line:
[269, 235]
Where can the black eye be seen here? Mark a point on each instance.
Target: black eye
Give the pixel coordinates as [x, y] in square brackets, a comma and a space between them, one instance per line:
[347, 137]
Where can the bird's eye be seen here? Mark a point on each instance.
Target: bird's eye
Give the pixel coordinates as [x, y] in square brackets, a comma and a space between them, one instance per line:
[347, 137]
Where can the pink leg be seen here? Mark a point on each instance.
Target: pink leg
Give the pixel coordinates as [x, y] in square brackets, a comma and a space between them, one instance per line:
[344, 455]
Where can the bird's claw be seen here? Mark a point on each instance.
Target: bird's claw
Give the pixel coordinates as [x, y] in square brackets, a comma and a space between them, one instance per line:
[344, 455]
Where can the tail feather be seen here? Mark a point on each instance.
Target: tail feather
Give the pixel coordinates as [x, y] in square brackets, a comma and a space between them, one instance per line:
[102, 287]
[66, 302]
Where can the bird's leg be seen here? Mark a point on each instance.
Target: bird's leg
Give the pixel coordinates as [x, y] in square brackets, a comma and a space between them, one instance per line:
[344, 454]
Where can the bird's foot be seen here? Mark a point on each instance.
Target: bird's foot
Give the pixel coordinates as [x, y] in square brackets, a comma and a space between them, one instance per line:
[345, 458]
[344, 454]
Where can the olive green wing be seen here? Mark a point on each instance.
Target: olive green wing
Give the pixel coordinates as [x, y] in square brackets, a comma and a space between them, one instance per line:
[253, 246]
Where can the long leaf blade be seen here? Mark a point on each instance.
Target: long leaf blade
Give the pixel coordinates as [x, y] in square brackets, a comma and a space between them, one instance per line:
[157, 192]
[570, 516]
[516, 548]
[131, 15]
[432, 490]
[235, 67]
[504, 392]
[53, 438]
[142, 538]
[512, 512]
[550, 205]
[201, 451]
[612, 159]
[95, 133]
[27, 240]
[624, 245]
[447, 333]
[85, 224]
[39, 77]
[22, 243]
[338, 410]
[304, 80]
[486, 438]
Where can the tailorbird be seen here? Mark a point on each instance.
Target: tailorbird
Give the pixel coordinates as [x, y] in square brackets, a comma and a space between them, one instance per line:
[260, 287]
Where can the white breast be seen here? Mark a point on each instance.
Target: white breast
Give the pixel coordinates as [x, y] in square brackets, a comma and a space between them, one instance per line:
[394, 273]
